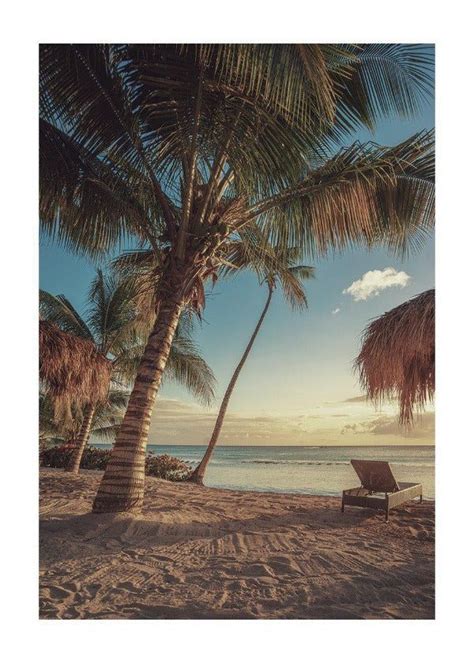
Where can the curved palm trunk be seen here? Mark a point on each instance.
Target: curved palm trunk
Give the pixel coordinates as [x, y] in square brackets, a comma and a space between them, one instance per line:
[123, 484]
[74, 461]
[198, 475]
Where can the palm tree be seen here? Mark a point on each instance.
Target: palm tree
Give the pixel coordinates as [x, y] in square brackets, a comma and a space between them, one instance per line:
[184, 147]
[284, 270]
[107, 417]
[111, 324]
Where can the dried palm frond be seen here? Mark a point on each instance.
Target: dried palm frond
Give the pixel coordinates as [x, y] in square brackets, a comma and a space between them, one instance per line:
[397, 358]
[72, 371]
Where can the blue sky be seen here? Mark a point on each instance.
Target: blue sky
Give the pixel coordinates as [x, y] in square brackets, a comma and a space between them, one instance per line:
[295, 385]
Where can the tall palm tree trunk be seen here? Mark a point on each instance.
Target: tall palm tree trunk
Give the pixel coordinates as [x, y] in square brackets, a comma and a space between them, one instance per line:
[198, 475]
[123, 484]
[74, 461]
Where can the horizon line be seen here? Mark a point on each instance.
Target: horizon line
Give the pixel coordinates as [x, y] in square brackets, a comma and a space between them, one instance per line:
[315, 446]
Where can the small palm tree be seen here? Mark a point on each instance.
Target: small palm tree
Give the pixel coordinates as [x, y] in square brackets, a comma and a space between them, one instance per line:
[184, 146]
[284, 270]
[107, 417]
[112, 325]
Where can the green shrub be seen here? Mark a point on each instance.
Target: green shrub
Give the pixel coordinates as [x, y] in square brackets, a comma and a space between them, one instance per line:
[55, 456]
[166, 467]
[93, 458]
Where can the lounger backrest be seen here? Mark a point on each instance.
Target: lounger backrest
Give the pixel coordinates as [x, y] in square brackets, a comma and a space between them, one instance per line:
[375, 475]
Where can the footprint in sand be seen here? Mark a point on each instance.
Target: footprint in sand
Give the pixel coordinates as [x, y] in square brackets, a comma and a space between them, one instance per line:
[284, 566]
[72, 586]
[174, 579]
[421, 534]
[128, 586]
[237, 585]
[258, 570]
[92, 590]
[56, 592]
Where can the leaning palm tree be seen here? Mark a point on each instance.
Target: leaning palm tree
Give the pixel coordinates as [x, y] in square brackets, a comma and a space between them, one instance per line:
[397, 358]
[112, 326]
[284, 271]
[183, 147]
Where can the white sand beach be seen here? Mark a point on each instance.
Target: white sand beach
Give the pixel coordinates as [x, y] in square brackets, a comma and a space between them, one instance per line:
[213, 553]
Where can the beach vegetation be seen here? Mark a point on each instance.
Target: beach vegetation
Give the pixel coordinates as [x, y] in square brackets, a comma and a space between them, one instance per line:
[113, 332]
[95, 458]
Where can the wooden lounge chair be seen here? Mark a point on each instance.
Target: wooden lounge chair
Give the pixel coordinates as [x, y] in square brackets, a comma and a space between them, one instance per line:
[376, 477]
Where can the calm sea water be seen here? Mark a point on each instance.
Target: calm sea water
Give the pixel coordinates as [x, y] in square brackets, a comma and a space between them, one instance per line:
[316, 470]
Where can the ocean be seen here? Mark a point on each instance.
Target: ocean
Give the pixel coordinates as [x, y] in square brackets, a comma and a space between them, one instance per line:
[314, 470]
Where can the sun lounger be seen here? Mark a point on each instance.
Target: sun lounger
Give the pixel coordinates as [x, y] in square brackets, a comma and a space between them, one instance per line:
[379, 489]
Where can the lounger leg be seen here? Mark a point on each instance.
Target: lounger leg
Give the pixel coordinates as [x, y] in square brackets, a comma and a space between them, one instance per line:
[421, 499]
[386, 514]
[342, 506]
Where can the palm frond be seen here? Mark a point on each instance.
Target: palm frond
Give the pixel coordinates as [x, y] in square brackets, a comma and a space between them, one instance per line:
[59, 310]
[109, 414]
[397, 358]
[379, 80]
[292, 286]
[106, 432]
[84, 203]
[118, 121]
[365, 194]
[72, 371]
[112, 312]
[186, 366]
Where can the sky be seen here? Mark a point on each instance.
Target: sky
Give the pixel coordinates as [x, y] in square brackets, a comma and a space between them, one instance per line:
[298, 386]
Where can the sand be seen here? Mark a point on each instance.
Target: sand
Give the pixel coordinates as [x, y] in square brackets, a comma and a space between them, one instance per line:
[198, 553]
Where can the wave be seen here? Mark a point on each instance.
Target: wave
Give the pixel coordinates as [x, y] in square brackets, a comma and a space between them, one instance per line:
[271, 461]
[295, 462]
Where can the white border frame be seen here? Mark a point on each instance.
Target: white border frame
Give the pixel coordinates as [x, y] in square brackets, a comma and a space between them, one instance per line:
[363, 21]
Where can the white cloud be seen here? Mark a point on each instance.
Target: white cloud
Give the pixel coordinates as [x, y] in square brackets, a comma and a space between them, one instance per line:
[373, 282]
[336, 311]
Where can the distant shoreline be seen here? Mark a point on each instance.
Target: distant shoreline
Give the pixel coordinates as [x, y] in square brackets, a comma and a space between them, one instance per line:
[315, 470]
[282, 446]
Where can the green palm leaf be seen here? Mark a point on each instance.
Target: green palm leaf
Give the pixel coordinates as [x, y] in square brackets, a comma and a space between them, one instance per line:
[59, 310]
[118, 122]
[364, 194]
